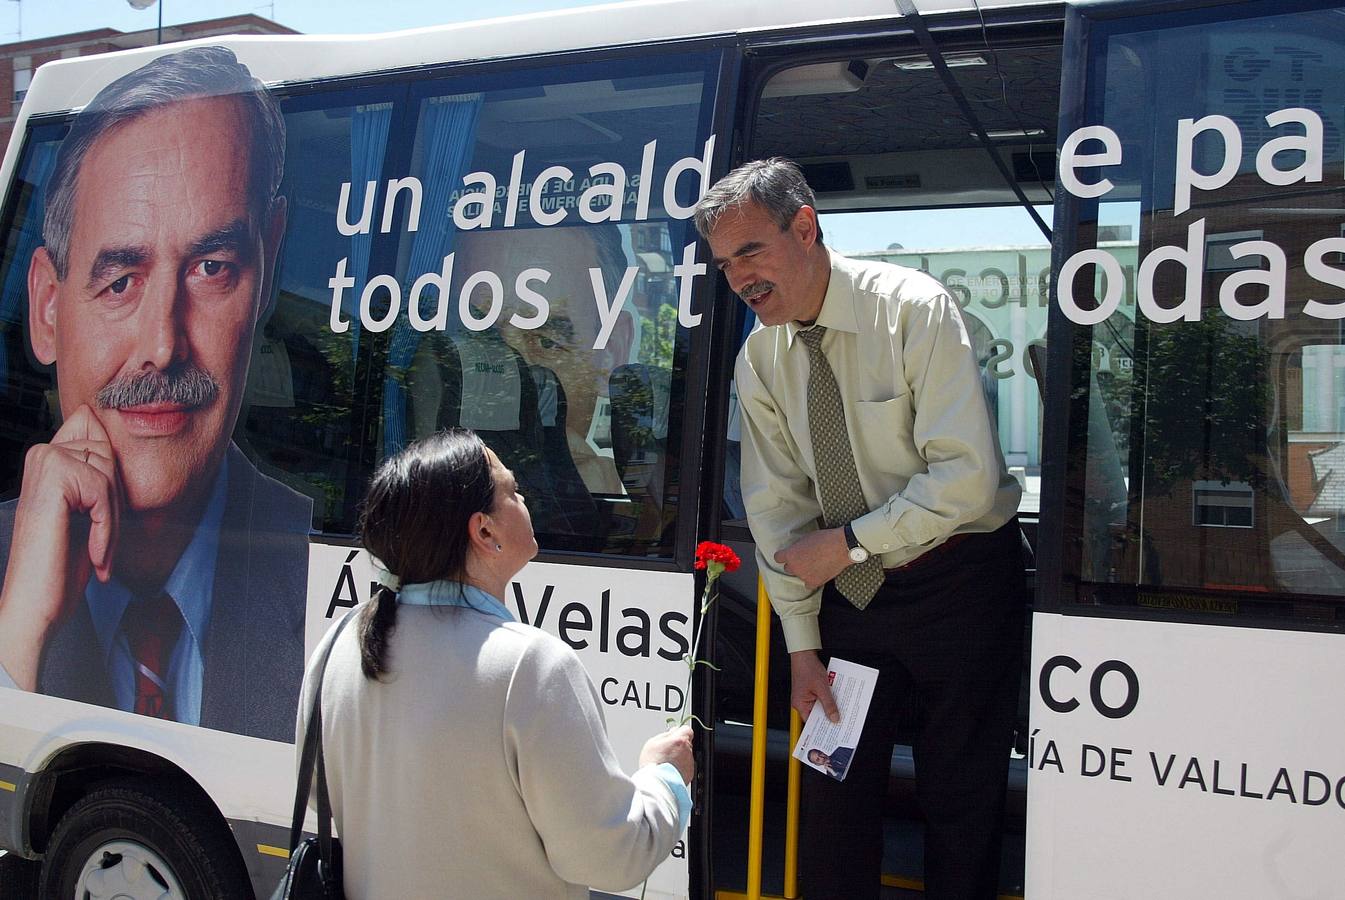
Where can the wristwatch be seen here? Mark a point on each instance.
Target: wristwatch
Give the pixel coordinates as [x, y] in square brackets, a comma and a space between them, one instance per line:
[857, 552]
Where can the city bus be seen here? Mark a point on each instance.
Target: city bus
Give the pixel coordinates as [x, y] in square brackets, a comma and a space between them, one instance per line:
[1137, 206]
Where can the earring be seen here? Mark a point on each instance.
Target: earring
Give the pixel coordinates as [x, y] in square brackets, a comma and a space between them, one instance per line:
[498, 548]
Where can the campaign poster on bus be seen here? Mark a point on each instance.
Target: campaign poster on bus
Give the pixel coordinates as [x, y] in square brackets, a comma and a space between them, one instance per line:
[224, 304]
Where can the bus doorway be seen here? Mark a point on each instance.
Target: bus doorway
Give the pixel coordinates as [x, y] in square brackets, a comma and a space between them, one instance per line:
[901, 177]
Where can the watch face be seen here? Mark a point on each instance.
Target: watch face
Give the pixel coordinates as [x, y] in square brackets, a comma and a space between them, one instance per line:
[858, 554]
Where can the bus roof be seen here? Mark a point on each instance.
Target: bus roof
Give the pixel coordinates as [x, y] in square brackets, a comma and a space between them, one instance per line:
[67, 84]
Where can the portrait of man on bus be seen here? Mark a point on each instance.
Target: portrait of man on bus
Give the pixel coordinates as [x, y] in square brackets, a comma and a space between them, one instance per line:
[148, 565]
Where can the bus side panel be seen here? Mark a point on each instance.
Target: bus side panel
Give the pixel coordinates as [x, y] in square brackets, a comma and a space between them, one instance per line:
[1180, 760]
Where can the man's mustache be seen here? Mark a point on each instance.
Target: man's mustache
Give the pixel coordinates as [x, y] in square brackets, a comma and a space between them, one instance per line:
[186, 386]
[756, 289]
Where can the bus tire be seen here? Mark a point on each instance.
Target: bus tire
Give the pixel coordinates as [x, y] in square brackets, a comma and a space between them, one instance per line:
[18, 877]
[133, 837]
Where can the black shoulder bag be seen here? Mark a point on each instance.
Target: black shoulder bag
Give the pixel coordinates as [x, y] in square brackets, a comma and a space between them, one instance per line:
[314, 872]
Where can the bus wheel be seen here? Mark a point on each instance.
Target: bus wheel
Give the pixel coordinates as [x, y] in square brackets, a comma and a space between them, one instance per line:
[18, 877]
[135, 839]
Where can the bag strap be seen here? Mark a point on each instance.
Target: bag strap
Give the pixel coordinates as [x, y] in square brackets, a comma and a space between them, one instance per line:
[311, 754]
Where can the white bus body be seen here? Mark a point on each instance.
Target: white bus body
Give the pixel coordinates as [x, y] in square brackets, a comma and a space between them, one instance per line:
[1187, 630]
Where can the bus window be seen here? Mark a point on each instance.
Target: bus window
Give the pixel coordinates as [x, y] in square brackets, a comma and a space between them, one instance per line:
[906, 181]
[997, 266]
[572, 381]
[30, 406]
[301, 417]
[1212, 417]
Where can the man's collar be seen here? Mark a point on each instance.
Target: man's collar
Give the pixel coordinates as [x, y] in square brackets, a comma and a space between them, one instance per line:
[838, 304]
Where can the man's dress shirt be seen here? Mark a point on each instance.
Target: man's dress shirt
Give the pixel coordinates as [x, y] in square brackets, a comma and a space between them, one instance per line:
[925, 446]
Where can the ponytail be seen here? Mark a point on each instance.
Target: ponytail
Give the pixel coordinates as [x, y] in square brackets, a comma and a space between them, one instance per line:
[377, 622]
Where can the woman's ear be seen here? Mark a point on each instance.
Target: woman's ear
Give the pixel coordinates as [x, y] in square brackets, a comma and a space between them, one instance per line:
[480, 533]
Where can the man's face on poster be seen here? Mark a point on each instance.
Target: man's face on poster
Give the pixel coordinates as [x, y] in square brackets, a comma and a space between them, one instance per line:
[564, 343]
[168, 262]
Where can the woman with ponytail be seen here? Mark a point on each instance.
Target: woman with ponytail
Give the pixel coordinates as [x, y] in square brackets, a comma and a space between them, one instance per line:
[466, 754]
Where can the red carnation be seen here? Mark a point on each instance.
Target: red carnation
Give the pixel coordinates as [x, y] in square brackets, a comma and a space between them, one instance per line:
[708, 552]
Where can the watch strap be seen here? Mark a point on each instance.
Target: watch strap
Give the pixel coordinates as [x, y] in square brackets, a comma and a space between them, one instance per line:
[850, 540]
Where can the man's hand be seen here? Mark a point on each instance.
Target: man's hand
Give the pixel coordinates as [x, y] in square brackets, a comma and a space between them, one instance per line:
[671, 747]
[816, 558]
[809, 685]
[65, 527]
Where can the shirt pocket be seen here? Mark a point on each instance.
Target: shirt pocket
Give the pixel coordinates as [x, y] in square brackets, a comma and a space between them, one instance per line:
[883, 433]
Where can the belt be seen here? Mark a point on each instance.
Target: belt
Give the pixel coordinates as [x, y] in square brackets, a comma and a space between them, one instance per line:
[930, 556]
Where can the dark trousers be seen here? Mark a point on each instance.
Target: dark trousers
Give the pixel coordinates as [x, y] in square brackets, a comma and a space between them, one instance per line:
[946, 637]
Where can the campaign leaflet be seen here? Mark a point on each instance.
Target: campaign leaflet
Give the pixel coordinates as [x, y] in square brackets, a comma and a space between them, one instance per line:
[829, 746]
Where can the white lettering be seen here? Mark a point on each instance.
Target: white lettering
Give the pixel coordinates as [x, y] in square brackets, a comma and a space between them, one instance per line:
[441, 282]
[528, 295]
[1273, 280]
[1113, 286]
[394, 302]
[1314, 261]
[1187, 177]
[1309, 144]
[515, 178]
[701, 167]
[540, 186]
[482, 219]
[590, 212]
[1192, 259]
[343, 210]
[1071, 160]
[395, 187]
[339, 283]
[492, 281]
[684, 272]
[608, 312]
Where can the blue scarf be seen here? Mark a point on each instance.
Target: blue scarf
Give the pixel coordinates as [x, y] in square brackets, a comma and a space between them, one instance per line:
[453, 593]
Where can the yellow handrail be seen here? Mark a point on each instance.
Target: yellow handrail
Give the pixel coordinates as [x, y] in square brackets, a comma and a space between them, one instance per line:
[792, 811]
[757, 809]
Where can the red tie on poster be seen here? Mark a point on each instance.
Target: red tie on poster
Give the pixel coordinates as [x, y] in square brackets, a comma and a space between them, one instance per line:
[152, 628]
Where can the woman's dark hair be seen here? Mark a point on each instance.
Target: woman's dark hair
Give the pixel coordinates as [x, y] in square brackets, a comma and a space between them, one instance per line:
[414, 520]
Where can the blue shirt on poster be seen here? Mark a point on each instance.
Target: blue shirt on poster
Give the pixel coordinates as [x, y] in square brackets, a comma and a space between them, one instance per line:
[191, 585]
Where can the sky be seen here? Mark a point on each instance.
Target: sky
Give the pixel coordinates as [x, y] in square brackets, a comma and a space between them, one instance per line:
[930, 228]
[28, 19]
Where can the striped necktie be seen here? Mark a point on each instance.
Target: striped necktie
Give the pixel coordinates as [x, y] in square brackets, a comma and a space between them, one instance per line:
[152, 628]
[838, 487]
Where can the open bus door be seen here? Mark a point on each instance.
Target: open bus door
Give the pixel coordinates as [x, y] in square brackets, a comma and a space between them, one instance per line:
[1187, 636]
[902, 175]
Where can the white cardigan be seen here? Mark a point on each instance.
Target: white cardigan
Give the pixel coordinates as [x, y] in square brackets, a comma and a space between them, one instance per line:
[480, 767]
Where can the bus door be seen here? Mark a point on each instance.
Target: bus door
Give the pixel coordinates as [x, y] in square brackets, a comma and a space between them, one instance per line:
[1188, 645]
[901, 176]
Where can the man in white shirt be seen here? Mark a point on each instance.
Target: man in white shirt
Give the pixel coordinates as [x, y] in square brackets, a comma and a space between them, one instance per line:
[884, 519]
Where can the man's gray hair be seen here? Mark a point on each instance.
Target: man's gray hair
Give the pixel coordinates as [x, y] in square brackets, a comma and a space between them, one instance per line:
[189, 74]
[776, 185]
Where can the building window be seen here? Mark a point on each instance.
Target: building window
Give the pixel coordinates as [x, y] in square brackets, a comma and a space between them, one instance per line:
[22, 78]
[1219, 505]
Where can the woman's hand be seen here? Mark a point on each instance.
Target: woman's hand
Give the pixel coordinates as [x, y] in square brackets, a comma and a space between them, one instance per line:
[671, 747]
